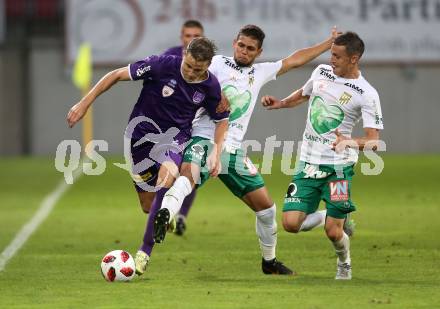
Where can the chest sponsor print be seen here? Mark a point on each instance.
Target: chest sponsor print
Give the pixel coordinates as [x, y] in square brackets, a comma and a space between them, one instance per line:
[325, 118]
[239, 102]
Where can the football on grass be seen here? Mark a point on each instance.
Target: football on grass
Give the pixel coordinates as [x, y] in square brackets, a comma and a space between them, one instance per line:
[118, 265]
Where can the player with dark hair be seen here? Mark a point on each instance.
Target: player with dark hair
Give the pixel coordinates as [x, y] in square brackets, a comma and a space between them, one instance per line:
[339, 96]
[190, 29]
[174, 88]
[241, 80]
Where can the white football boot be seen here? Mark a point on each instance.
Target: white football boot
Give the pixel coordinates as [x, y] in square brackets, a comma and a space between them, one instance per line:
[343, 271]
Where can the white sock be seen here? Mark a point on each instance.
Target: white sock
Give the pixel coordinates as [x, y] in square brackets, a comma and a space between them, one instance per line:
[342, 249]
[174, 197]
[266, 227]
[313, 220]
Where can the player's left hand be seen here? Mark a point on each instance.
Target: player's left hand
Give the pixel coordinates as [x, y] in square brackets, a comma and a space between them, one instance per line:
[214, 164]
[224, 105]
[342, 142]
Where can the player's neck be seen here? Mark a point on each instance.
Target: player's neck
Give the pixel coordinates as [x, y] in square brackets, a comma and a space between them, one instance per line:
[352, 74]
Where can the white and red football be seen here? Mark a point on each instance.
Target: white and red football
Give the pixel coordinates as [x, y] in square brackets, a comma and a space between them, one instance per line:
[118, 265]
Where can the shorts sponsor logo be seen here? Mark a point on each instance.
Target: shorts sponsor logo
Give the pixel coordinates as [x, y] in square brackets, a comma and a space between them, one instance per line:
[339, 190]
[167, 91]
[291, 190]
[292, 200]
[197, 149]
[142, 178]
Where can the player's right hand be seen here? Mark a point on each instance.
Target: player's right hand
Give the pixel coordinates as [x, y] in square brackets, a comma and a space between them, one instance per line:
[224, 105]
[76, 113]
[271, 102]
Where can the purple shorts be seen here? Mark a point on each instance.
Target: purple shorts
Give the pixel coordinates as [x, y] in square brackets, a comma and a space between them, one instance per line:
[147, 158]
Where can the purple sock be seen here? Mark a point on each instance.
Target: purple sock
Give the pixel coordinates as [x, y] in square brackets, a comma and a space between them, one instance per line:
[148, 243]
[187, 203]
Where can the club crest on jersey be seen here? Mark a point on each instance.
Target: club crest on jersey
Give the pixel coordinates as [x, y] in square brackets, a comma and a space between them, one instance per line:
[167, 91]
[345, 98]
[198, 97]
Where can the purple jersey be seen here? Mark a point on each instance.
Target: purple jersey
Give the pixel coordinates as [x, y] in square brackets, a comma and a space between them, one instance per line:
[174, 51]
[170, 101]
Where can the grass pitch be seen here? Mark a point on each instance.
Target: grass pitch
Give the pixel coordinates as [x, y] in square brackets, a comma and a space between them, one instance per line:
[395, 252]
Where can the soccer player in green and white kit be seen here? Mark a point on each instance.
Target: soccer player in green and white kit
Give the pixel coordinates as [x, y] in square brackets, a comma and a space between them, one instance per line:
[339, 96]
[241, 81]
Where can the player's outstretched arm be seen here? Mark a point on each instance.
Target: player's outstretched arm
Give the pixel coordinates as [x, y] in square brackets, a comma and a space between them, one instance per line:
[79, 109]
[224, 105]
[369, 141]
[305, 55]
[295, 99]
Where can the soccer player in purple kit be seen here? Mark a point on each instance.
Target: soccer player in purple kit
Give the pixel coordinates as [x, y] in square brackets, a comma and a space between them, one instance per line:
[190, 29]
[174, 88]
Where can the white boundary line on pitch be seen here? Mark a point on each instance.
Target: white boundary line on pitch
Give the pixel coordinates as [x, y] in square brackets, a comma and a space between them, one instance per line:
[42, 213]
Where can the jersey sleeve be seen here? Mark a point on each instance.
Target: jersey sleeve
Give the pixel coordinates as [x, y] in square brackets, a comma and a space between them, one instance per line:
[372, 112]
[145, 68]
[308, 86]
[212, 102]
[270, 70]
[214, 67]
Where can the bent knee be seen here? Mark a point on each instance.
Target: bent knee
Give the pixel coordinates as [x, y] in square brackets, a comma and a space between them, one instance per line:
[291, 227]
[292, 221]
[334, 234]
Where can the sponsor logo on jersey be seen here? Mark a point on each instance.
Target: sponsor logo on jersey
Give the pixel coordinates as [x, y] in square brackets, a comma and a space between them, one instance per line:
[229, 63]
[142, 70]
[325, 73]
[167, 91]
[345, 98]
[339, 190]
[198, 97]
[353, 86]
[325, 117]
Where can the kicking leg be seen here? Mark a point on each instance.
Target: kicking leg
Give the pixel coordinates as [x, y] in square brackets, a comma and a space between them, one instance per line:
[172, 201]
[181, 188]
[165, 178]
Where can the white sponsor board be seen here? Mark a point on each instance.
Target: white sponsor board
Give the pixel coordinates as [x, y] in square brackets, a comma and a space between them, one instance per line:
[122, 31]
